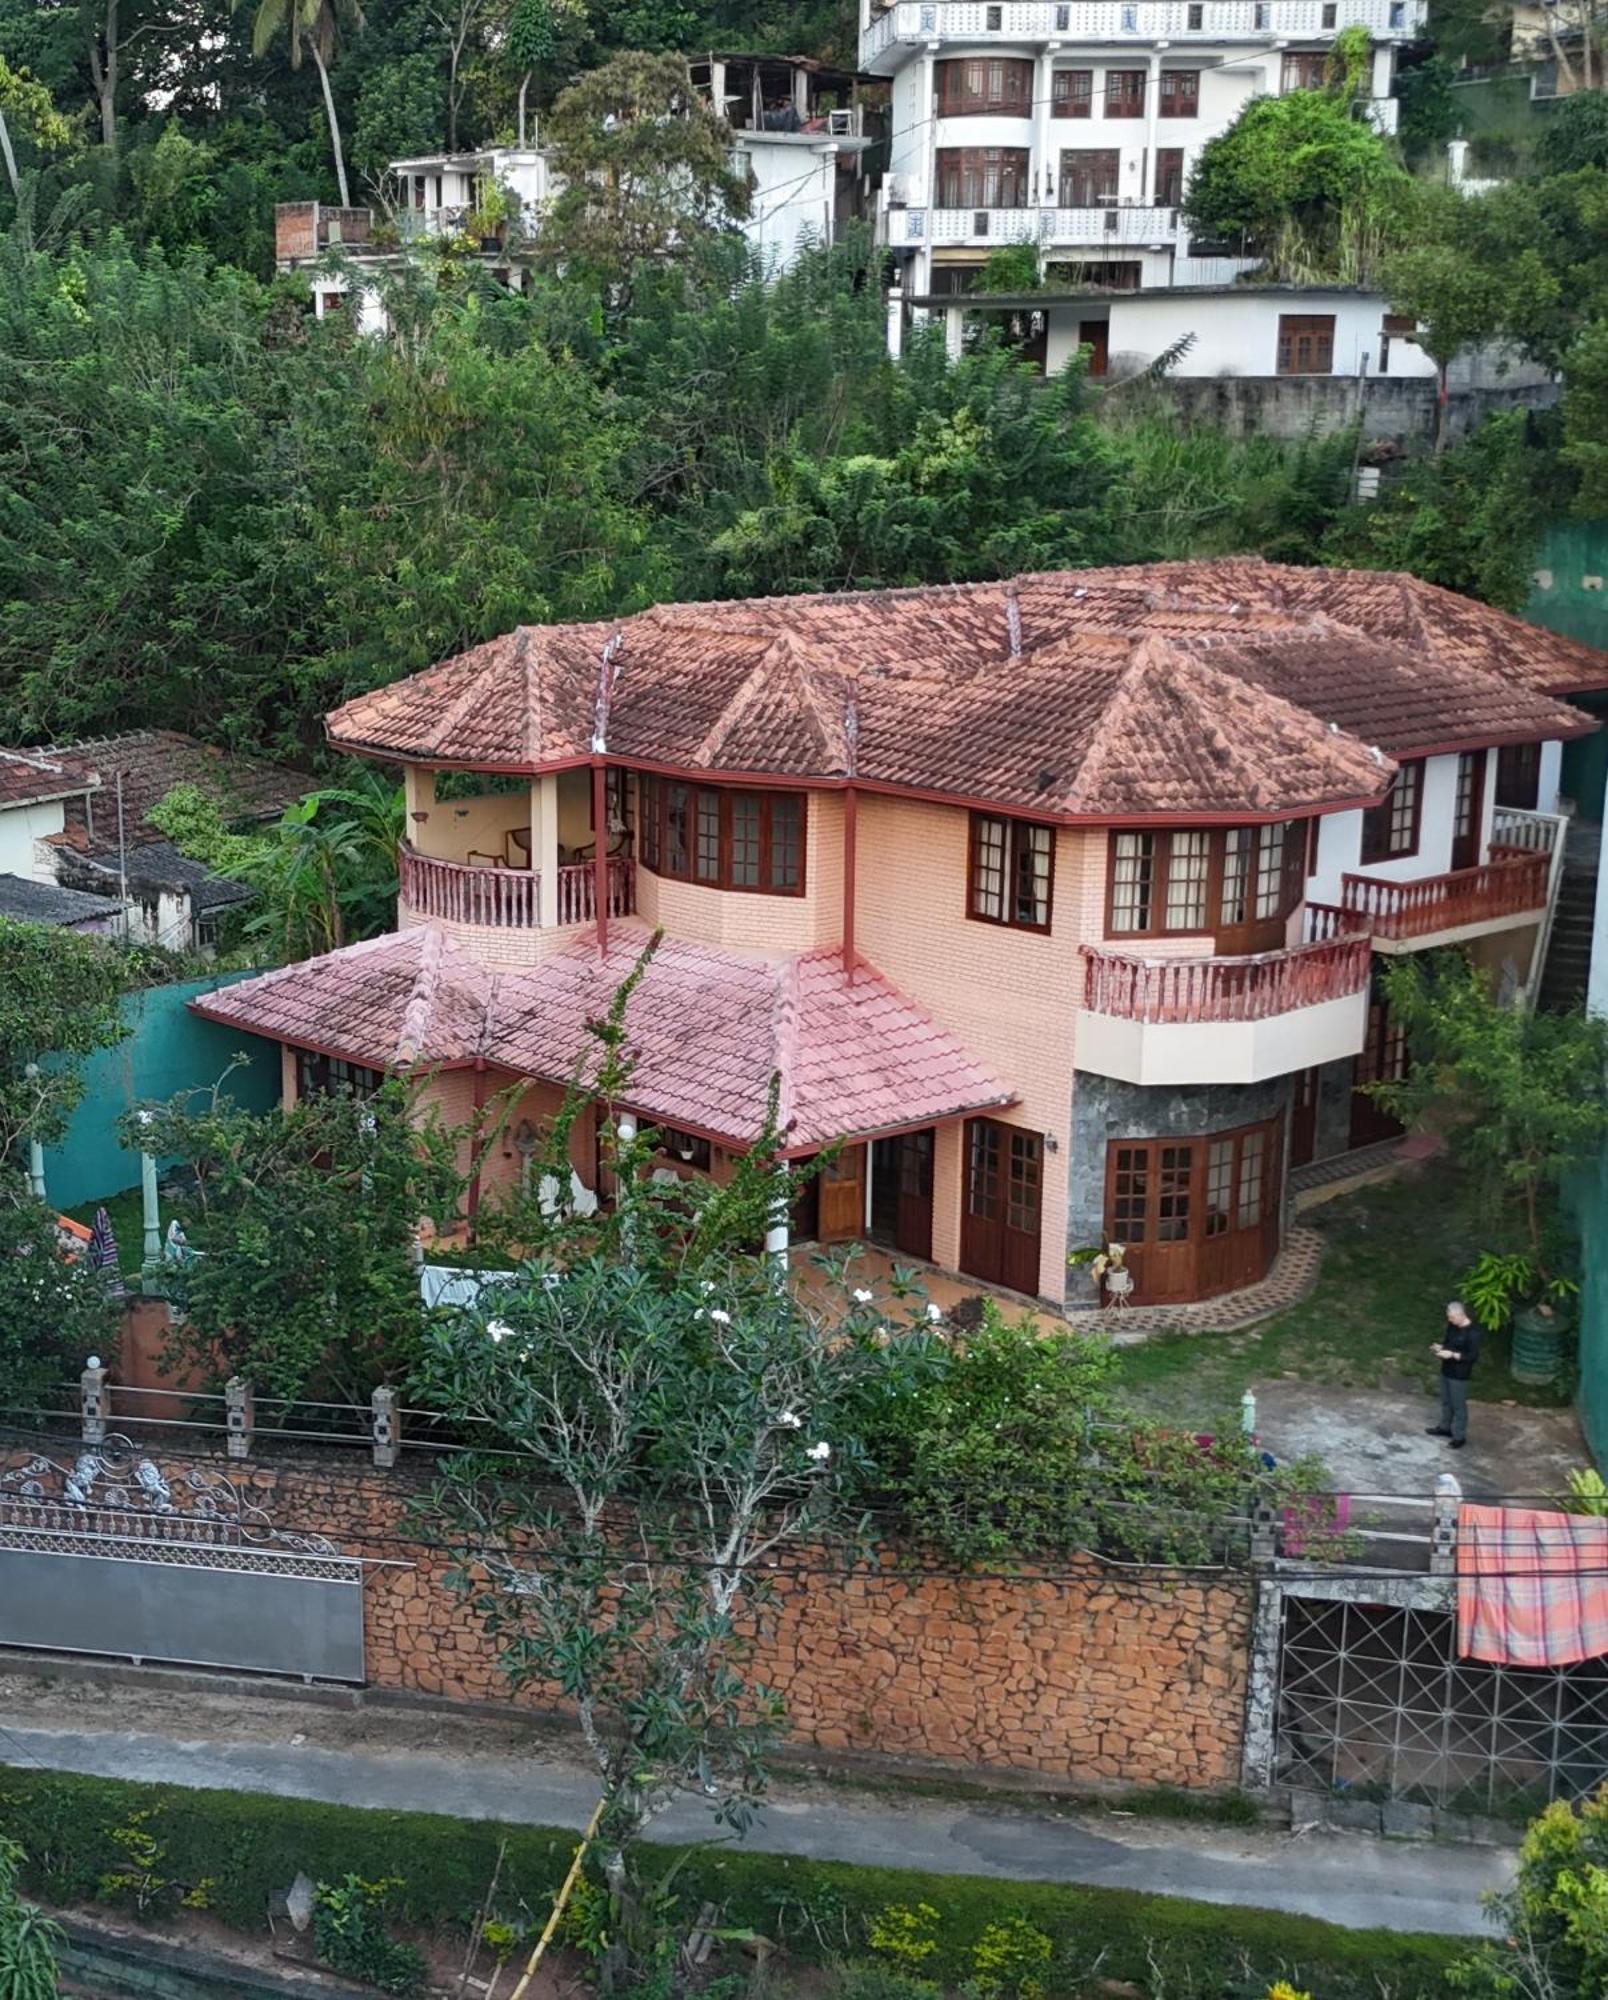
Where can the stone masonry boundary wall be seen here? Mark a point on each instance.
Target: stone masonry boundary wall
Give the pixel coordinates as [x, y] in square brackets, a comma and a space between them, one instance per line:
[1093, 1675]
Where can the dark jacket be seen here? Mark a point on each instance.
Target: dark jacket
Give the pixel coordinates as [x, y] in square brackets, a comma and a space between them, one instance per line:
[1465, 1344]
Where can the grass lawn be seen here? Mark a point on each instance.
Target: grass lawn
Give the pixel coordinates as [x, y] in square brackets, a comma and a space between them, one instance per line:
[1394, 1255]
[128, 1225]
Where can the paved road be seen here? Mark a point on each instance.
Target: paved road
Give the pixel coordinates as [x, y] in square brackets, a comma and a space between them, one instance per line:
[1349, 1879]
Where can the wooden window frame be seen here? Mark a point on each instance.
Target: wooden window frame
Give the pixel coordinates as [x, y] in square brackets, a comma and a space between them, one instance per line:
[1293, 327]
[313, 1063]
[1122, 98]
[1178, 95]
[1269, 1181]
[1072, 93]
[1291, 877]
[965, 170]
[653, 801]
[1380, 823]
[1518, 770]
[1300, 67]
[1171, 168]
[1007, 94]
[1082, 166]
[1014, 828]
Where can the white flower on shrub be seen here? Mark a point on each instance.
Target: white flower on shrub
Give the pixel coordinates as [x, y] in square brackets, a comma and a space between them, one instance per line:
[820, 1452]
[720, 1318]
[790, 1420]
[499, 1329]
[862, 1295]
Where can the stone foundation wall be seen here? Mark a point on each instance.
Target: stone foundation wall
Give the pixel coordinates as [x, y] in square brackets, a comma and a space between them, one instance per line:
[1093, 1675]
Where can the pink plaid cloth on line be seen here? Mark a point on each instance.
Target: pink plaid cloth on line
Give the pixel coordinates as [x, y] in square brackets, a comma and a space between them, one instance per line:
[1532, 1586]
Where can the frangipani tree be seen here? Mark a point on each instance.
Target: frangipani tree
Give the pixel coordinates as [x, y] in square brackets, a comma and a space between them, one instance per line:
[674, 1429]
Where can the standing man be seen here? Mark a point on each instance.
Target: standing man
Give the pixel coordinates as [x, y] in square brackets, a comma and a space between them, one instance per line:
[1457, 1350]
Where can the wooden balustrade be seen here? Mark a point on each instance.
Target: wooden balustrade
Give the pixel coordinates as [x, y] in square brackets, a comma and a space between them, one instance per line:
[510, 898]
[1326, 921]
[1223, 989]
[1510, 886]
[1515, 831]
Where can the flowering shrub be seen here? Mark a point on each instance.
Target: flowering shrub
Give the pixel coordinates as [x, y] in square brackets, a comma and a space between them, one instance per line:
[908, 1936]
[1012, 1956]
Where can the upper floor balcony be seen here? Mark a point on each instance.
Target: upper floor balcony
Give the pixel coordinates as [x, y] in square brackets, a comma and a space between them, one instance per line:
[1129, 226]
[1513, 887]
[486, 895]
[1176, 1020]
[895, 30]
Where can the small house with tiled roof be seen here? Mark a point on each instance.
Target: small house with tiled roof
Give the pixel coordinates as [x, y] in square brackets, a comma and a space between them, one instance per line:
[1054, 904]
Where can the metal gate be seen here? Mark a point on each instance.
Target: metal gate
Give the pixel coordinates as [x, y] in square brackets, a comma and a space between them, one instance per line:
[108, 1555]
[1373, 1699]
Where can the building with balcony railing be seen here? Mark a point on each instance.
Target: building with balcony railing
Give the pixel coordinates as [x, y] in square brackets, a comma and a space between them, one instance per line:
[1056, 904]
[1012, 122]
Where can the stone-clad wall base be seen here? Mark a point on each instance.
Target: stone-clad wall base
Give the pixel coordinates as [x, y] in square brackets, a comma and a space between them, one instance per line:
[1092, 1675]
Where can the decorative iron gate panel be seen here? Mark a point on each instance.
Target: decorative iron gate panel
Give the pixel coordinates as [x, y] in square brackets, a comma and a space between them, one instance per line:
[106, 1556]
[1374, 1700]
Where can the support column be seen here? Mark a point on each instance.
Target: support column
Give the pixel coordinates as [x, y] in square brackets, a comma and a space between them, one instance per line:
[151, 1206]
[1044, 163]
[544, 847]
[1147, 178]
[895, 323]
[418, 799]
[777, 1236]
[954, 330]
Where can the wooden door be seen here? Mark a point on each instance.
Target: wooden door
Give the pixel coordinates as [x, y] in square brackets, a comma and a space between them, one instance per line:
[1468, 809]
[1003, 1218]
[841, 1202]
[1150, 1207]
[1198, 1216]
[912, 1230]
[1304, 1118]
[1384, 1057]
[1095, 335]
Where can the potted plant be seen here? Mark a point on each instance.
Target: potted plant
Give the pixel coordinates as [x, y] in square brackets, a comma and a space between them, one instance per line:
[1108, 1266]
[1510, 1289]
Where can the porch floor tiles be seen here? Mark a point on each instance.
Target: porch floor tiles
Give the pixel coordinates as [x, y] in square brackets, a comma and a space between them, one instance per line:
[1294, 1273]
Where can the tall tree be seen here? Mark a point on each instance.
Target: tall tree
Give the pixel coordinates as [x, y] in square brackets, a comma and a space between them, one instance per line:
[314, 24]
[31, 106]
[58, 1000]
[646, 171]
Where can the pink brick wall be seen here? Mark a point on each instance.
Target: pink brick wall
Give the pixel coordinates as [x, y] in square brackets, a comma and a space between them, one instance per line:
[1010, 995]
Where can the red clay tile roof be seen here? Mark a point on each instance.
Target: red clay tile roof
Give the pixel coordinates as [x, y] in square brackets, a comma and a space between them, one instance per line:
[151, 762]
[27, 776]
[707, 1029]
[1076, 694]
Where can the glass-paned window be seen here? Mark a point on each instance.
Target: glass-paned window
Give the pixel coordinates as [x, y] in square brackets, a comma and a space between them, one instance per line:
[1130, 1194]
[1188, 862]
[1252, 1175]
[1219, 1186]
[1391, 828]
[1125, 93]
[1012, 871]
[1518, 775]
[1001, 84]
[1180, 93]
[1270, 871]
[1233, 904]
[1072, 93]
[331, 1076]
[1306, 344]
[982, 177]
[1169, 176]
[1173, 1193]
[1133, 882]
[708, 859]
[1303, 70]
[1022, 1202]
[1468, 767]
[1089, 176]
[723, 839]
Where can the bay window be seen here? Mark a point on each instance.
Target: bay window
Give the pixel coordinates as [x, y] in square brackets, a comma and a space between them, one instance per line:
[1236, 884]
[1001, 84]
[721, 838]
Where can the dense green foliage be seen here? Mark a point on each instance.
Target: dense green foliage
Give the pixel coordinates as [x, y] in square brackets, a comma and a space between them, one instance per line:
[248, 1846]
[1552, 1942]
[305, 1220]
[58, 1000]
[54, 1312]
[27, 1938]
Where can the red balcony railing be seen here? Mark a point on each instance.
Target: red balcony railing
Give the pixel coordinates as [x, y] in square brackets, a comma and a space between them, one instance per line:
[1513, 885]
[1223, 989]
[510, 898]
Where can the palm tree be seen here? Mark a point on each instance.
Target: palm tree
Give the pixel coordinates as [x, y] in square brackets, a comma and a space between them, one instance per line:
[315, 23]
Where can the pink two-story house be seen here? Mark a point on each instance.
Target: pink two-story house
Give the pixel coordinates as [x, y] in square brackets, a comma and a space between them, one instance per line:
[1056, 901]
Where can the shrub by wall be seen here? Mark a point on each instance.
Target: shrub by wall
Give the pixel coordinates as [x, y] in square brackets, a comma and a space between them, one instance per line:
[237, 1850]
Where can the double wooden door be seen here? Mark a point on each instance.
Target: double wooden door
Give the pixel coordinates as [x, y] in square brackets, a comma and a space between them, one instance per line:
[1003, 1218]
[1198, 1216]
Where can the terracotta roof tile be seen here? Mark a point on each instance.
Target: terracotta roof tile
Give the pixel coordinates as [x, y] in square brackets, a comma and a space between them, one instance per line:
[29, 775]
[151, 762]
[706, 1028]
[1111, 691]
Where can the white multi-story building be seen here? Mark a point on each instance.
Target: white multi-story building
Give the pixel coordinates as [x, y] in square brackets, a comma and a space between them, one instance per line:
[1074, 124]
